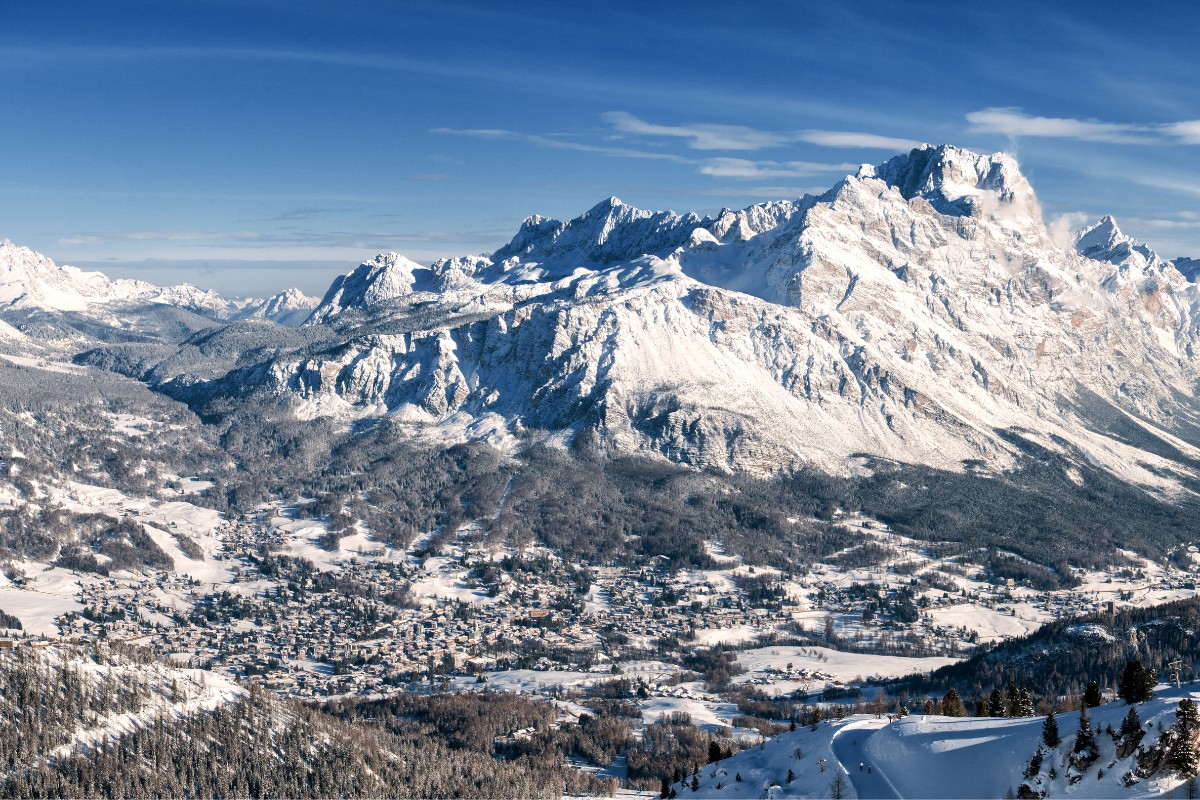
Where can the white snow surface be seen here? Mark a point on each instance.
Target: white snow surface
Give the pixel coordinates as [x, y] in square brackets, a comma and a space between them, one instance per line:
[937, 757]
[30, 280]
[911, 312]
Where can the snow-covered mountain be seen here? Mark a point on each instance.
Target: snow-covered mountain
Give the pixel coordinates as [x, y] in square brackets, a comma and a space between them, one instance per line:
[29, 280]
[1188, 267]
[917, 310]
[289, 307]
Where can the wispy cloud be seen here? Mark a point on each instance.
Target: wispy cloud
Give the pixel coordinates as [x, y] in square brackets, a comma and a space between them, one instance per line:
[1165, 224]
[1170, 184]
[700, 136]
[720, 167]
[705, 136]
[757, 192]
[1014, 123]
[865, 141]
[762, 170]
[298, 214]
[560, 144]
[261, 239]
[1188, 131]
[158, 236]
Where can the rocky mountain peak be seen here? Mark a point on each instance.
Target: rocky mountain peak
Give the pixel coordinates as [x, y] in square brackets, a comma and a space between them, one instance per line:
[1105, 242]
[373, 285]
[1188, 267]
[608, 233]
[958, 182]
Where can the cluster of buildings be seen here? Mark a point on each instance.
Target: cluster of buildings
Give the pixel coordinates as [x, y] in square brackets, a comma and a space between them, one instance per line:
[360, 623]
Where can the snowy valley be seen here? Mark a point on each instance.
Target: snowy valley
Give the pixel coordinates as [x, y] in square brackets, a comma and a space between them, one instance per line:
[662, 482]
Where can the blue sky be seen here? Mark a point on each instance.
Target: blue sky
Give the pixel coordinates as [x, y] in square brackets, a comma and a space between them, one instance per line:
[247, 145]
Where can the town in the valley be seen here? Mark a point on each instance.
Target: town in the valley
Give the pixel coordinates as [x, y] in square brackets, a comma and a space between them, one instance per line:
[271, 605]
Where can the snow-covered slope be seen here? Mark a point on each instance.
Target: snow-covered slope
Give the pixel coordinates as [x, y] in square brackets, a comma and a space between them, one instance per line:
[30, 280]
[1188, 267]
[289, 307]
[934, 757]
[916, 310]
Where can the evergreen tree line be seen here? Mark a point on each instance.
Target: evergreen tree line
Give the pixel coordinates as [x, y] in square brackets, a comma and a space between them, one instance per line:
[1062, 657]
[263, 747]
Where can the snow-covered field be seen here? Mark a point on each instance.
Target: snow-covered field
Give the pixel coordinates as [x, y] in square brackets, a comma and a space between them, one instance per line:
[939, 757]
[787, 669]
[48, 592]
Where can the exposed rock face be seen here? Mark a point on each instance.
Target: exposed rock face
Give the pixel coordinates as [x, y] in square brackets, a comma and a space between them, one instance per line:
[917, 311]
[1188, 267]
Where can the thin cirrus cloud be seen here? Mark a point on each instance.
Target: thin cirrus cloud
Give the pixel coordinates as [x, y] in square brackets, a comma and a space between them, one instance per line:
[158, 236]
[259, 239]
[720, 167]
[1187, 132]
[1014, 123]
[703, 136]
[759, 170]
[555, 143]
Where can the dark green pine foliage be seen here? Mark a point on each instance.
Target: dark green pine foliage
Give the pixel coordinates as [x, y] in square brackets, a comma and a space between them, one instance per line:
[1184, 757]
[952, 705]
[1085, 752]
[1012, 701]
[1137, 684]
[1050, 731]
[1092, 696]
[1130, 734]
[1026, 702]
[995, 705]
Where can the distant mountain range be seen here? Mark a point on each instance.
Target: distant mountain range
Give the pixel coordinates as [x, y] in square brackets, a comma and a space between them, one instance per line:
[919, 311]
[30, 281]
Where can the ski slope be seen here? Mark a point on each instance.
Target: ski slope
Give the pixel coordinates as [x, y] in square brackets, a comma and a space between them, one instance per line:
[928, 756]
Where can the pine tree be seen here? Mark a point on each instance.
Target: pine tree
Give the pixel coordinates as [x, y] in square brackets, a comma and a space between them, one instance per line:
[995, 706]
[1024, 703]
[1130, 733]
[1035, 763]
[1184, 756]
[714, 752]
[1012, 701]
[1050, 731]
[1187, 716]
[1131, 725]
[666, 788]
[791, 776]
[1085, 739]
[695, 784]
[1092, 696]
[1137, 684]
[951, 704]
[1085, 752]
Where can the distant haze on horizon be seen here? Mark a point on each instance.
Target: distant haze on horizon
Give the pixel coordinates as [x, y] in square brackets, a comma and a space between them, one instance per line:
[229, 277]
[256, 145]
